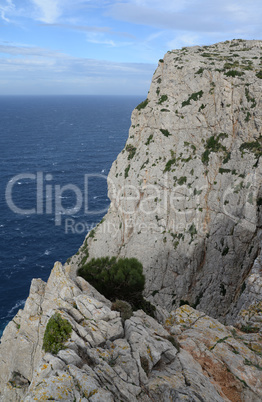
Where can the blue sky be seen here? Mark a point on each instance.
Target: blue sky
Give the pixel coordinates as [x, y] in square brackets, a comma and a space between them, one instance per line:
[105, 46]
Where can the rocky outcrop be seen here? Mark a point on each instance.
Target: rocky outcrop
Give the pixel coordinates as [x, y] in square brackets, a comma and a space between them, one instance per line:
[186, 190]
[185, 356]
[186, 201]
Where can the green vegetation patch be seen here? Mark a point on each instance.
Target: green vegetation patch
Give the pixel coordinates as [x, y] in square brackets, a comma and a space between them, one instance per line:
[149, 139]
[220, 341]
[127, 171]
[259, 74]
[221, 170]
[182, 180]
[57, 332]
[249, 329]
[192, 230]
[162, 99]
[131, 151]
[121, 279]
[254, 146]
[249, 98]
[142, 105]
[247, 118]
[195, 97]
[169, 165]
[200, 71]
[213, 145]
[124, 308]
[229, 66]
[165, 132]
[234, 73]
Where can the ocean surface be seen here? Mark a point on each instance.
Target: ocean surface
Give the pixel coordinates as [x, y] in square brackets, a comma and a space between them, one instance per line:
[55, 154]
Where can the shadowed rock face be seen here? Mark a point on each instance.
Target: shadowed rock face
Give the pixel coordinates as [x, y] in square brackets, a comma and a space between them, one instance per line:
[186, 201]
[186, 190]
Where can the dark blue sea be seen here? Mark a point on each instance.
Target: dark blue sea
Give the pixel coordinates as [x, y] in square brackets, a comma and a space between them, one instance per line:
[55, 154]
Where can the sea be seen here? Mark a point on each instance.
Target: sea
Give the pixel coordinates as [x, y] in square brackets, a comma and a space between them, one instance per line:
[55, 155]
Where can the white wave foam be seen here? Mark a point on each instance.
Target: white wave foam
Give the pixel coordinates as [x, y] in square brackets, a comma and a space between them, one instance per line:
[19, 303]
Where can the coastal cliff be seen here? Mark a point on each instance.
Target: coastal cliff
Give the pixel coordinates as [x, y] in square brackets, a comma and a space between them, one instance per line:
[186, 201]
[186, 191]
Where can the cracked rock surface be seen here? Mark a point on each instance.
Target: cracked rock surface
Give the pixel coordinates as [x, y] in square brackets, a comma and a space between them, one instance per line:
[185, 355]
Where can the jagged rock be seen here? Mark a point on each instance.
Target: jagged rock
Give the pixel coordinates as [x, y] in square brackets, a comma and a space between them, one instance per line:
[138, 360]
[186, 190]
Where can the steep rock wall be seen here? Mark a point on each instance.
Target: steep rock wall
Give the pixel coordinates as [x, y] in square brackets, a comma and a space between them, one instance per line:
[186, 190]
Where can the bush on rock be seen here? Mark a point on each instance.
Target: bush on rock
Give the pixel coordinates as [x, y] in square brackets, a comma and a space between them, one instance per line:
[56, 334]
[121, 279]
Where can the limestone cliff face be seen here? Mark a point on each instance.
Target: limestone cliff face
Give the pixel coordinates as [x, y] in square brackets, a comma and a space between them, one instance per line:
[186, 191]
[186, 196]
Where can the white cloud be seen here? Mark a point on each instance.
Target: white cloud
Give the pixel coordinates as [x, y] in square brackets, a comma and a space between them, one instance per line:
[88, 28]
[183, 40]
[107, 42]
[21, 50]
[48, 10]
[224, 16]
[162, 18]
[44, 62]
[6, 9]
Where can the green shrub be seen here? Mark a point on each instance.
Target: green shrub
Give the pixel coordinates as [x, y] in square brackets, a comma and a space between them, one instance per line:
[259, 74]
[131, 151]
[165, 132]
[127, 171]
[142, 105]
[195, 97]
[200, 71]
[169, 165]
[192, 230]
[149, 139]
[249, 329]
[57, 332]
[247, 118]
[213, 145]
[254, 146]
[221, 170]
[233, 73]
[162, 99]
[121, 279]
[124, 308]
[182, 180]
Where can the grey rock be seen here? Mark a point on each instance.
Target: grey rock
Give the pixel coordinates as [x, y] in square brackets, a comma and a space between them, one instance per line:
[185, 190]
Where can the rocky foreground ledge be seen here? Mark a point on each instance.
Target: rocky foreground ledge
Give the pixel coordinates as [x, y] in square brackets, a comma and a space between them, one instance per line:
[184, 355]
[186, 201]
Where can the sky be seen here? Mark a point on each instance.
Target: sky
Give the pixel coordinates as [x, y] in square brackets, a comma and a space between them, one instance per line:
[108, 47]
